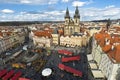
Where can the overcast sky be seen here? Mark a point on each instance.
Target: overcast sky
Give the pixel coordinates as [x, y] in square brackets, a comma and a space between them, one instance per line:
[54, 10]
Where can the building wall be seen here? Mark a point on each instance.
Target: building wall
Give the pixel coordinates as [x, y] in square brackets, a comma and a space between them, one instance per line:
[9, 41]
[74, 41]
[108, 68]
[42, 41]
[96, 52]
[55, 38]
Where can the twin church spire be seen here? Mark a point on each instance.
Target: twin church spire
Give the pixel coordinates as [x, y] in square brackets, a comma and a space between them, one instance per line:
[76, 15]
[67, 13]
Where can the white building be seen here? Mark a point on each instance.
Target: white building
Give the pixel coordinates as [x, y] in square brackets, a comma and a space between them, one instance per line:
[105, 53]
[73, 41]
[42, 38]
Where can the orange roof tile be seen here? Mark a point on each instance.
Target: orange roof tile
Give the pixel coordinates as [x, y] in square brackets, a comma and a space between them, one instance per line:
[1, 34]
[115, 39]
[106, 48]
[42, 34]
[8, 33]
[98, 36]
[60, 31]
[117, 54]
[101, 42]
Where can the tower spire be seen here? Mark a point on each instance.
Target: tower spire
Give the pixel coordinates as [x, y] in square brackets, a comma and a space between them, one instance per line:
[77, 15]
[67, 13]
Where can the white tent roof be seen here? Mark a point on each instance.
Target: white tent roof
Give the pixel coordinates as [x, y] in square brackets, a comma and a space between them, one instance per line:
[97, 74]
[89, 57]
[93, 65]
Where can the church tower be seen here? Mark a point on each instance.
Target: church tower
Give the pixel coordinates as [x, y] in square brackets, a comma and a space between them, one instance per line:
[67, 17]
[72, 25]
[67, 22]
[77, 20]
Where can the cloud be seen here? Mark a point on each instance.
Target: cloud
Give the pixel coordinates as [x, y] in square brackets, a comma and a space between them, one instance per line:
[110, 6]
[53, 15]
[100, 13]
[65, 0]
[25, 1]
[31, 2]
[7, 11]
[34, 16]
[80, 3]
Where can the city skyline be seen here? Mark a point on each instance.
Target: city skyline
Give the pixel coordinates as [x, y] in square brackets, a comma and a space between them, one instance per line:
[54, 10]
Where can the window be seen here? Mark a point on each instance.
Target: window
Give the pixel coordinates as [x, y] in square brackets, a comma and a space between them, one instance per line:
[71, 30]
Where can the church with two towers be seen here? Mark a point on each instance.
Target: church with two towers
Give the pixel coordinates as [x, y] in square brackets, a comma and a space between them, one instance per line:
[72, 26]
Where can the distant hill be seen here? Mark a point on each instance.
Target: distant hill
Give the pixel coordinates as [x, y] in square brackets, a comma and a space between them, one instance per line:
[105, 20]
[18, 23]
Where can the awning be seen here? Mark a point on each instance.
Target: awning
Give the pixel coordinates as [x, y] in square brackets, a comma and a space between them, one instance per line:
[16, 76]
[65, 52]
[73, 58]
[89, 57]
[69, 69]
[23, 79]
[97, 74]
[3, 72]
[8, 75]
[93, 65]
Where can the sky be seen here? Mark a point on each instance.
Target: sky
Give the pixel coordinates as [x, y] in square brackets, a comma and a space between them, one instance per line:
[54, 10]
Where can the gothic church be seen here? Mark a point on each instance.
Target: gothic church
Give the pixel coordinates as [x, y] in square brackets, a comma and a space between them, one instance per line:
[72, 26]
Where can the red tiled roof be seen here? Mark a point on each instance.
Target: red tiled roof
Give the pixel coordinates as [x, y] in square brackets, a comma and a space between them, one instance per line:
[98, 36]
[114, 54]
[106, 48]
[1, 34]
[8, 33]
[114, 38]
[60, 32]
[42, 34]
[101, 42]
[117, 54]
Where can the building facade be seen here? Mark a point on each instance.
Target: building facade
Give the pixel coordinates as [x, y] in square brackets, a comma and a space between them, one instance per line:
[41, 38]
[72, 41]
[105, 54]
[12, 40]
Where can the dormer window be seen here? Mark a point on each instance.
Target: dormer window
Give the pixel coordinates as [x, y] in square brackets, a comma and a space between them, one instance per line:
[112, 48]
